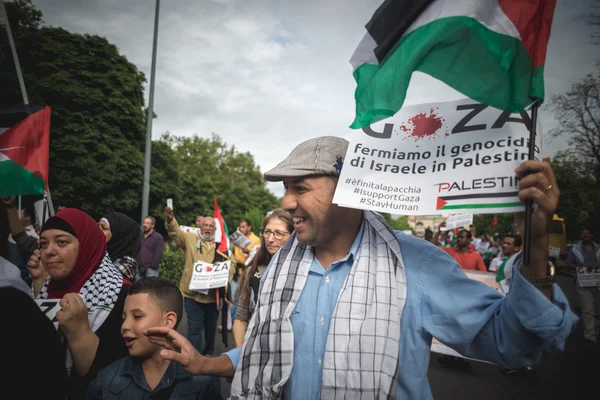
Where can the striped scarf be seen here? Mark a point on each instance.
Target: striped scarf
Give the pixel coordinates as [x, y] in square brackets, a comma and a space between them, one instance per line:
[361, 354]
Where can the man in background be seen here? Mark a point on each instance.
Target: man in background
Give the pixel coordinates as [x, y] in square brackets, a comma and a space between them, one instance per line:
[585, 256]
[199, 219]
[151, 253]
[467, 257]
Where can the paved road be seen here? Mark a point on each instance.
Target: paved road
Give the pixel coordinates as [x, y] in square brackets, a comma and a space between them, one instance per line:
[565, 375]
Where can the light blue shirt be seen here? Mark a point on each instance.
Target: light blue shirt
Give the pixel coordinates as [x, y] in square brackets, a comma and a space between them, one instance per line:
[467, 315]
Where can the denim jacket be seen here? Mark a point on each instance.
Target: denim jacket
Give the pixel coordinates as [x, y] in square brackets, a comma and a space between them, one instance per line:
[124, 379]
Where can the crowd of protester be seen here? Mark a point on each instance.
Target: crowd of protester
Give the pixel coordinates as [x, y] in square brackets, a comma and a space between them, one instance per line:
[300, 295]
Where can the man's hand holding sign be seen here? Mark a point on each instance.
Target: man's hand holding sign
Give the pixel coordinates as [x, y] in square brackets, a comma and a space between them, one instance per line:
[538, 183]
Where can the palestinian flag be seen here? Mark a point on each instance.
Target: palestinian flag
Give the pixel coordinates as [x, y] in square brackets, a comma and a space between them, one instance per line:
[221, 233]
[492, 51]
[24, 147]
[480, 202]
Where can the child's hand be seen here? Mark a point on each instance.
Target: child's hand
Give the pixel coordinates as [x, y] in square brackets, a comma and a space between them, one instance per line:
[177, 348]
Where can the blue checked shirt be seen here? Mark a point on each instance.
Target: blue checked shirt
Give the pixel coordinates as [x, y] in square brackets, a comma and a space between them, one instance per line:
[469, 316]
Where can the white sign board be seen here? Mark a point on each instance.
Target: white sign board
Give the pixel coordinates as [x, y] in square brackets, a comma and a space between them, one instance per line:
[239, 239]
[435, 159]
[588, 279]
[207, 276]
[49, 307]
[189, 229]
[458, 221]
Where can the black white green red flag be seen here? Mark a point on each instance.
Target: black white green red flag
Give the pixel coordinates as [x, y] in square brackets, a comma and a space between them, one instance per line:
[492, 51]
[24, 150]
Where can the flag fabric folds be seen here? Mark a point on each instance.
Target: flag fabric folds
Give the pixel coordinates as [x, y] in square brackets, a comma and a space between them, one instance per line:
[492, 51]
[221, 233]
[24, 149]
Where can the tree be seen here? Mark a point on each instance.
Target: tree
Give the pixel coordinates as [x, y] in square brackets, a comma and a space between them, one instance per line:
[483, 224]
[398, 223]
[209, 168]
[578, 116]
[96, 97]
[256, 217]
[580, 197]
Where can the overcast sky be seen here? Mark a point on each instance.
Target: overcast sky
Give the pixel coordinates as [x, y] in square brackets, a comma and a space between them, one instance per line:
[266, 75]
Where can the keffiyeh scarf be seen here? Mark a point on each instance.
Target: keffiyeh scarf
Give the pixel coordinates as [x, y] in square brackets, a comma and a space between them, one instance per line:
[361, 354]
[99, 293]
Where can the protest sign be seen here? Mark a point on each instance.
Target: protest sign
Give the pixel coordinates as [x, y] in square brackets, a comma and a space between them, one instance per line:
[458, 221]
[251, 255]
[553, 251]
[209, 276]
[189, 229]
[587, 278]
[49, 307]
[434, 159]
[239, 239]
[484, 277]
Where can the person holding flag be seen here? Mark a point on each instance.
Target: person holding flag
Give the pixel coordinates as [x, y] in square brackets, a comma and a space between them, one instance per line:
[317, 328]
[201, 308]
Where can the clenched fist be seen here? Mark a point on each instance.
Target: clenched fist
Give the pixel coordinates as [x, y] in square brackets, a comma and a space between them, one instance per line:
[73, 315]
[36, 268]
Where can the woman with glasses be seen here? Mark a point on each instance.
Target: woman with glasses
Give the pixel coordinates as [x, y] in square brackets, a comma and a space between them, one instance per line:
[275, 231]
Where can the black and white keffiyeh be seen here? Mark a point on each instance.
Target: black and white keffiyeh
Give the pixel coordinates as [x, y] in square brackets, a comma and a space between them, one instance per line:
[99, 293]
[361, 354]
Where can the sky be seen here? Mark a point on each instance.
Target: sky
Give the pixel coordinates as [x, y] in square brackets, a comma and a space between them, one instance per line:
[266, 75]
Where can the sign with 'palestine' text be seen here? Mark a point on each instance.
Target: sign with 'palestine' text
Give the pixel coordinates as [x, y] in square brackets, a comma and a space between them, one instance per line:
[444, 158]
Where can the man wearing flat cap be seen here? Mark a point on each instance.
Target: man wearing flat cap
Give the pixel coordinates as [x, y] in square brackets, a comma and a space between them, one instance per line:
[348, 307]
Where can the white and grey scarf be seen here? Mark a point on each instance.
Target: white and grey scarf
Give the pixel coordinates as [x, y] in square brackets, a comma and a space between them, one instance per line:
[361, 354]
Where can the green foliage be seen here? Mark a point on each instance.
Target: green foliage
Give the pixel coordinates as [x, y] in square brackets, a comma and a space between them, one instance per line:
[579, 195]
[172, 265]
[397, 224]
[505, 224]
[209, 168]
[22, 14]
[256, 217]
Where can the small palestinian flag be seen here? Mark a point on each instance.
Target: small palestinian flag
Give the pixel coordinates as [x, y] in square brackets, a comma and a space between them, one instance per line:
[24, 150]
[492, 51]
[489, 202]
[221, 233]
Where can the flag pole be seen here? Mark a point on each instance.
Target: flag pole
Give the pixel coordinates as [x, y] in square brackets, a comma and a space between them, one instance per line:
[529, 203]
[11, 41]
[45, 208]
[147, 154]
[13, 48]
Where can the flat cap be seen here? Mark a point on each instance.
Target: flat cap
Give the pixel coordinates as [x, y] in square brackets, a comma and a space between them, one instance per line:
[319, 156]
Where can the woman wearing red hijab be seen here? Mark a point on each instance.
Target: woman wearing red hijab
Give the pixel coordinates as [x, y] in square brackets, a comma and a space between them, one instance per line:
[75, 268]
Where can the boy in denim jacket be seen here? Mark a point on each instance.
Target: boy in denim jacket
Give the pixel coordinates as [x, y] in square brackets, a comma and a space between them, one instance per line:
[144, 374]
